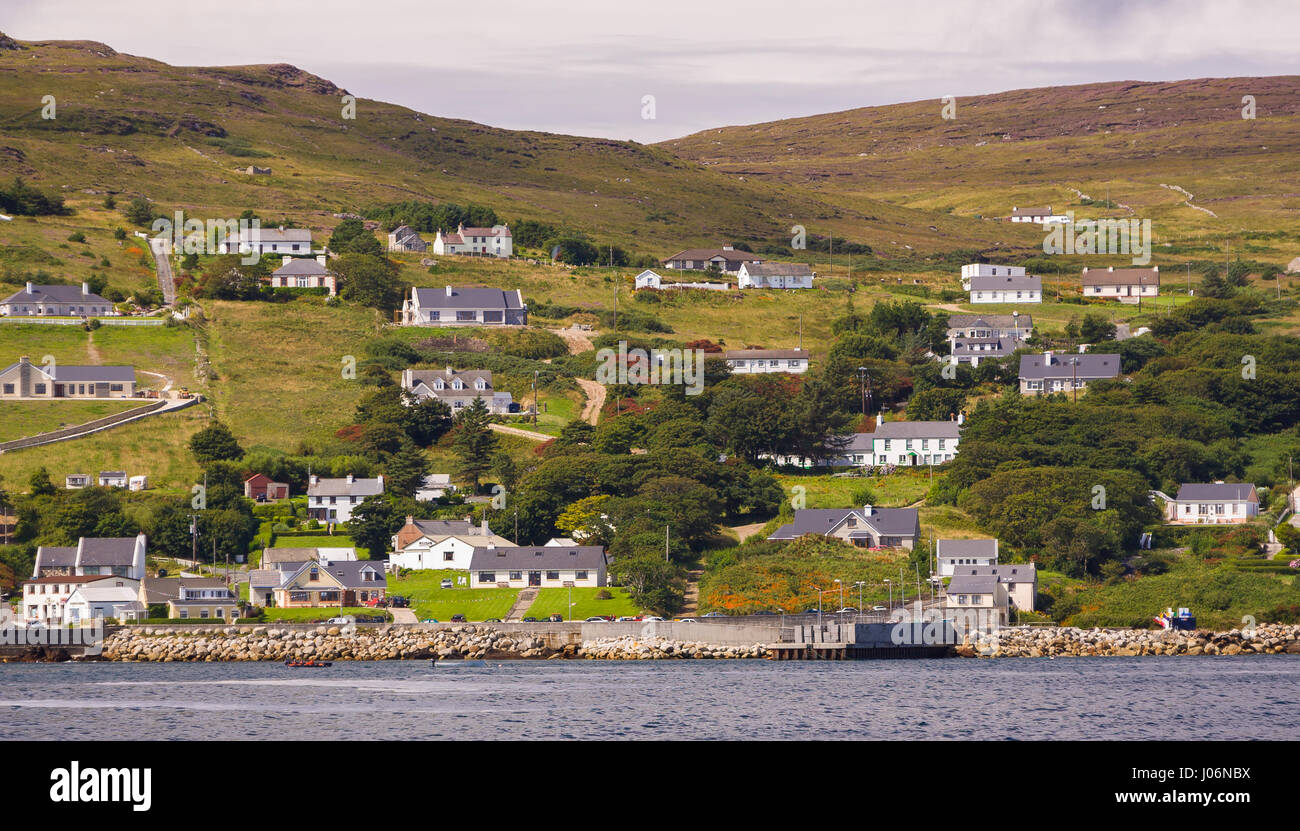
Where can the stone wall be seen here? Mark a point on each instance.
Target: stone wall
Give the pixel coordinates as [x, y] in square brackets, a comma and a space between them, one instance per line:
[1054, 641]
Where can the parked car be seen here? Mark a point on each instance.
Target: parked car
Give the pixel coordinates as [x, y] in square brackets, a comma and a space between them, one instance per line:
[653, 619]
[847, 610]
[458, 618]
[493, 620]
[879, 609]
[684, 620]
[556, 618]
[764, 612]
[715, 614]
[446, 583]
[371, 619]
[530, 620]
[628, 619]
[430, 620]
[339, 621]
[398, 601]
[597, 619]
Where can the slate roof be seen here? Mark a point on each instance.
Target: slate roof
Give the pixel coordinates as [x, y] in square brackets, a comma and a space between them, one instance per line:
[888, 522]
[342, 487]
[991, 321]
[54, 294]
[467, 297]
[467, 377]
[275, 235]
[765, 354]
[162, 589]
[55, 556]
[1001, 347]
[1028, 282]
[710, 253]
[288, 555]
[348, 572]
[1091, 366]
[304, 266]
[968, 548]
[537, 557]
[1019, 573]
[67, 374]
[434, 528]
[778, 270]
[1215, 492]
[107, 551]
[918, 430]
[969, 584]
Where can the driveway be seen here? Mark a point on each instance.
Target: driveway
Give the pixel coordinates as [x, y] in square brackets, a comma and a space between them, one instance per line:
[162, 247]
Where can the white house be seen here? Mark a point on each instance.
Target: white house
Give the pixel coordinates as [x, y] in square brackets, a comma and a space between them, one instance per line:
[45, 599]
[544, 566]
[1019, 581]
[751, 361]
[1021, 289]
[906, 443]
[1127, 285]
[113, 479]
[971, 270]
[952, 553]
[648, 280]
[441, 543]
[1049, 373]
[268, 241]
[1213, 503]
[55, 300]
[496, 241]
[304, 273]
[1038, 216]
[774, 276]
[138, 483]
[434, 486]
[977, 599]
[76, 481]
[464, 306]
[93, 557]
[332, 500]
[108, 597]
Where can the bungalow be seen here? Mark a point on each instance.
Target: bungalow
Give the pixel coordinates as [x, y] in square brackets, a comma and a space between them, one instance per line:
[496, 241]
[406, 238]
[1213, 503]
[774, 276]
[650, 281]
[1020, 289]
[973, 350]
[260, 488]
[304, 273]
[1015, 325]
[751, 361]
[726, 259]
[441, 543]
[457, 388]
[45, 599]
[949, 554]
[92, 557]
[544, 566]
[268, 241]
[464, 306]
[865, 527]
[334, 499]
[1128, 285]
[107, 597]
[112, 479]
[1048, 373]
[1019, 581]
[343, 583]
[26, 380]
[1038, 216]
[67, 301]
[75, 481]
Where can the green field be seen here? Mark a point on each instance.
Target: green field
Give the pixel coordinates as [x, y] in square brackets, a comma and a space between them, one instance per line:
[27, 418]
[429, 600]
[320, 541]
[552, 602]
[823, 490]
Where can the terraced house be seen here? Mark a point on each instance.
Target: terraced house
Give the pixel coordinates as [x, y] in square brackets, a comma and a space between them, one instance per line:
[26, 380]
[55, 301]
[464, 306]
[496, 241]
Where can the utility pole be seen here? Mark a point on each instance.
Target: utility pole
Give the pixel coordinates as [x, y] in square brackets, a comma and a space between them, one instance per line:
[535, 397]
[615, 305]
[666, 544]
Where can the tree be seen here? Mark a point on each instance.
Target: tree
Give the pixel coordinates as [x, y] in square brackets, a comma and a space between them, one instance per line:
[365, 244]
[40, 484]
[373, 524]
[215, 443]
[1096, 327]
[344, 233]
[427, 421]
[507, 472]
[369, 280]
[406, 469]
[475, 443]
[140, 211]
[936, 404]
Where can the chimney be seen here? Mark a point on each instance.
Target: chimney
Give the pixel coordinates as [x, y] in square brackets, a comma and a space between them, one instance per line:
[85, 288]
[487, 532]
[961, 419]
[320, 258]
[351, 478]
[449, 291]
[728, 248]
[29, 287]
[24, 360]
[880, 418]
[315, 479]
[866, 509]
[1111, 269]
[380, 480]
[1048, 355]
[410, 520]
[450, 371]
[285, 260]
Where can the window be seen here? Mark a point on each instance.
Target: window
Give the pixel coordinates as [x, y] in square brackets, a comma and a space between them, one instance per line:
[433, 315]
[40, 389]
[516, 575]
[299, 597]
[487, 577]
[580, 575]
[221, 612]
[314, 574]
[185, 613]
[9, 389]
[465, 316]
[115, 387]
[552, 575]
[448, 556]
[203, 613]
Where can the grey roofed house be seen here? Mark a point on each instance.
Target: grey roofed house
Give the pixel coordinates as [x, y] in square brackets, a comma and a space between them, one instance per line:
[1005, 573]
[1090, 366]
[765, 354]
[107, 551]
[348, 486]
[273, 556]
[778, 270]
[973, 584]
[351, 573]
[123, 556]
[413, 379]
[589, 557]
[984, 347]
[968, 548]
[163, 589]
[100, 374]
[1027, 282]
[444, 527]
[917, 430]
[54, 557]
[1121, 276]
[898, 523]
[1216, 492]
[1001, 323]
[464, 305]
[35, 299]
[305, 266]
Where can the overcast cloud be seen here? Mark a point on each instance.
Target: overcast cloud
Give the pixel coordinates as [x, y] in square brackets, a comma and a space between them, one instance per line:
[573, 66]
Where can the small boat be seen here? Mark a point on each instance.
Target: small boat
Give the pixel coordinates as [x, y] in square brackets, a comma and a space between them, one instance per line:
[308, 663]
[454, 662]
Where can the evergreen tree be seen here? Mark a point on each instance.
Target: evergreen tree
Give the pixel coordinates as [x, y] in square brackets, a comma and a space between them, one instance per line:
[475, 442]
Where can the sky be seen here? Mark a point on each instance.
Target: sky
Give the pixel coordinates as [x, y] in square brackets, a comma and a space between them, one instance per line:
[650, 71]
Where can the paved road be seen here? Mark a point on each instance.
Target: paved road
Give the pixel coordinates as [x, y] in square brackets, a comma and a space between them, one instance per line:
[404, 616]
[162, 247]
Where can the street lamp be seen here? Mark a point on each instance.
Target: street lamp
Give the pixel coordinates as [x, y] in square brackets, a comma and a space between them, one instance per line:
[890, 585]
[841, 609]
[819, 605]
[859, 584]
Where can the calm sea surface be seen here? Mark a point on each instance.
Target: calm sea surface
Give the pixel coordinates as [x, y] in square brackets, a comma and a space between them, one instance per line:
[1013, 699]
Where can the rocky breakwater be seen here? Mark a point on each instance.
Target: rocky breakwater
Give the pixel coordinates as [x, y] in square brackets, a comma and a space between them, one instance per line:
[655, 649]
[1045, 642]
[321, 643]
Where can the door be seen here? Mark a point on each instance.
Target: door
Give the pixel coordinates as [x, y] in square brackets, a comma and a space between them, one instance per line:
[534, 578]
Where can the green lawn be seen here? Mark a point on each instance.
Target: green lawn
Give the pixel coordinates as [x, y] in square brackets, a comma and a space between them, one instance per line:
[823, 490]
[320, 541]
[429, 600]
[552, 602]
[27, 418]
